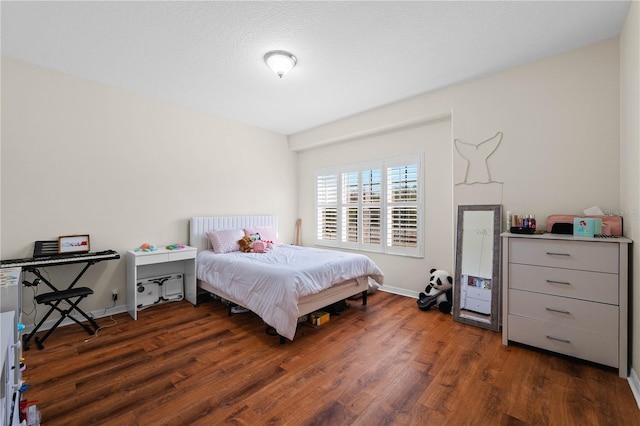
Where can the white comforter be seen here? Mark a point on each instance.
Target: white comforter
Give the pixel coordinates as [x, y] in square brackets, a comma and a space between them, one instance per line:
[270, 284]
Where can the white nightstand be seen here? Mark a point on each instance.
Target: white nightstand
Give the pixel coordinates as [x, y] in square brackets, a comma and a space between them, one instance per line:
[146, 264]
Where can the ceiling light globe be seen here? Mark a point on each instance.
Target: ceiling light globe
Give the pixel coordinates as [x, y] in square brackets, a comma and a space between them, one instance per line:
[280, 62]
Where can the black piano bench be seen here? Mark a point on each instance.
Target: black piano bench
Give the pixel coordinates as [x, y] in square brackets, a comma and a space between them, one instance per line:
[54, 298]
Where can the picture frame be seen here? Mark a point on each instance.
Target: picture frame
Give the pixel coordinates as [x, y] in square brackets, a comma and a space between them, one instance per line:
[73, 244]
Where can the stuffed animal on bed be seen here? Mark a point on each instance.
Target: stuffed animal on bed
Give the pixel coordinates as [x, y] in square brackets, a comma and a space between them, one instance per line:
[245, 244]
[252, 243]
[438, 292]
[261, 246]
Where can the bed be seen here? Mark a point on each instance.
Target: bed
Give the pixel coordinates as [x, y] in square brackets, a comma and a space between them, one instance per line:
[283, 284]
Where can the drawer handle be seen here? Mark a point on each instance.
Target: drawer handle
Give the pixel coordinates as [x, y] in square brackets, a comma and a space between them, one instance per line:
[558, 282]
[559, 340]
[550, 253]
[558, 311]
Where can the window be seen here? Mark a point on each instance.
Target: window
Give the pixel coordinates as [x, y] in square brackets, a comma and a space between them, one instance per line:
[374, 207]
[327, 206]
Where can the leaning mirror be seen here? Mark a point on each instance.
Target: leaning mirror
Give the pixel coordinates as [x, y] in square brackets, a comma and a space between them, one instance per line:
[476, 289]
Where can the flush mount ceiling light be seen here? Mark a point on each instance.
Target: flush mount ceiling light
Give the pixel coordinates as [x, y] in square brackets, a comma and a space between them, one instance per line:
[280, 61]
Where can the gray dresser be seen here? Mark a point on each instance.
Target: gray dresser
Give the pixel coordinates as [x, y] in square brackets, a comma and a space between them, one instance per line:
[567, 295]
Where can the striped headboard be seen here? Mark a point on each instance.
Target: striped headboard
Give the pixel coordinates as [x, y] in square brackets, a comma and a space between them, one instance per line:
[199, 226]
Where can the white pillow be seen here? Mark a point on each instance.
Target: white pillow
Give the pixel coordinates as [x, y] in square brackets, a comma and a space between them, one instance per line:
[225, 241]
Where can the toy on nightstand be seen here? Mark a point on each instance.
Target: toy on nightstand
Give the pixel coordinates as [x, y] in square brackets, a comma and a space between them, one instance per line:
[175, 246]
[147, 247]
[438, 292]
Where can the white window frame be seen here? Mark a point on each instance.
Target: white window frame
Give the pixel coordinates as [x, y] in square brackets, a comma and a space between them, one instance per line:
[385, 205]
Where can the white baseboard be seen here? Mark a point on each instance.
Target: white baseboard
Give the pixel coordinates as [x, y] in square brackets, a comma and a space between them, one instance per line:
[634, 384]
[100, 313]
[399, 291]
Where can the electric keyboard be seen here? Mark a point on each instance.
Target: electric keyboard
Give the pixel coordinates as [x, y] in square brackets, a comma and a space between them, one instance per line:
[59, 259]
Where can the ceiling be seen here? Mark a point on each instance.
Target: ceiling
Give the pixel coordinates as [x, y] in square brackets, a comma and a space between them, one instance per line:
[352, 56]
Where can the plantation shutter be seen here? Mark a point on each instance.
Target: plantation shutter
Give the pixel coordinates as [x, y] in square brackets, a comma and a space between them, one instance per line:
[327, 207]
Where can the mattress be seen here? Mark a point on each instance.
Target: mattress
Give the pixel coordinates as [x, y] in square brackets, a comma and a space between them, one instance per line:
[271, 284]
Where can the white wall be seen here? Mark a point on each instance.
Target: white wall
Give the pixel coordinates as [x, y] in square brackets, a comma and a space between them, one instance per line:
[559, 153]
[630, 165]
[81, 157]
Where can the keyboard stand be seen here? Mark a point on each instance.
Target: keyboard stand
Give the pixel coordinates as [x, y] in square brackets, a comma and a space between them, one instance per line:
[53, 300]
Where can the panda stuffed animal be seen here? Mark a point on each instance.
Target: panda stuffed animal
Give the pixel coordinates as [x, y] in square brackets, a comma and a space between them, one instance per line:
[438, 292]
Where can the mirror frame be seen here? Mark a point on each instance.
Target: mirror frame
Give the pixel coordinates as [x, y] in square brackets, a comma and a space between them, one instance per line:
[494, 321]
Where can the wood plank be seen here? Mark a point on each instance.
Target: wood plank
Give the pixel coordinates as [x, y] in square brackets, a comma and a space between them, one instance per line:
[386, 363]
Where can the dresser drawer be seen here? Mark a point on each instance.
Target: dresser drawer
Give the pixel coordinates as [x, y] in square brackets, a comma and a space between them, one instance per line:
[580, 255]
[595, 317]
[565, 339]
[477, 305]
[478, 293]
[594, 286]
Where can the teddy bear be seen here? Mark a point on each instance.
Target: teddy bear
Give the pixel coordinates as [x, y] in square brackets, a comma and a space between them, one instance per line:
[245, 244]
[438, 292]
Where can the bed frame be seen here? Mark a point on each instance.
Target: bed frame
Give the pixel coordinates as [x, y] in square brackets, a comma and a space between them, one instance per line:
[199, 226]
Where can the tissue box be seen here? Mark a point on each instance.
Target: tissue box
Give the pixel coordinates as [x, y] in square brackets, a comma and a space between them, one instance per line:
[318, 318]
[587, 227]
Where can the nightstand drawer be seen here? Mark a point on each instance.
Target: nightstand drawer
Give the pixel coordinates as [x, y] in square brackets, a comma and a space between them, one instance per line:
[151, 258]
[590, 316]
[594, 286]
[578, 342]
[182, 255]
[578, 255]
[163, 255]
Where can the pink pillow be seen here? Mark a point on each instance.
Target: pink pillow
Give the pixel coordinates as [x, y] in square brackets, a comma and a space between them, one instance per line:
[225, 241]
[266, 233]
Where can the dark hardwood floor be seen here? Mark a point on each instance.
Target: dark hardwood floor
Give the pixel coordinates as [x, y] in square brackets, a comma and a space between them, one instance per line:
[386, 364]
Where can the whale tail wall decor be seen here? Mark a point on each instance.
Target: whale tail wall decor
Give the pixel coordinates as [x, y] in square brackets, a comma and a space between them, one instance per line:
[476, 157]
